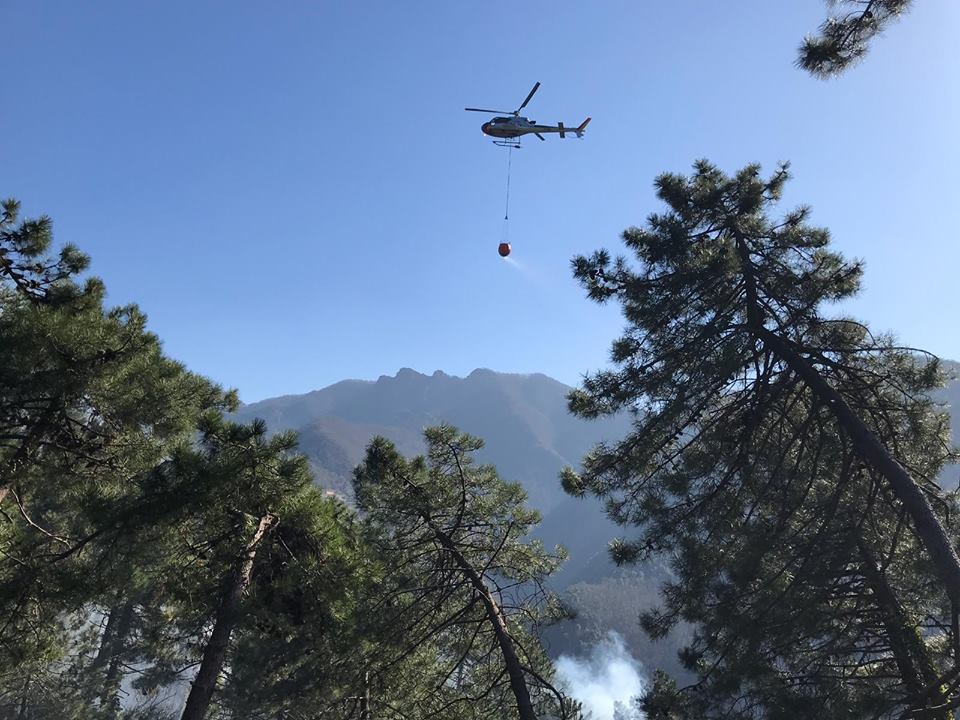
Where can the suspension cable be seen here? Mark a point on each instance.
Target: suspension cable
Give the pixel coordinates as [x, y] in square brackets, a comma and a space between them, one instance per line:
[506, 213]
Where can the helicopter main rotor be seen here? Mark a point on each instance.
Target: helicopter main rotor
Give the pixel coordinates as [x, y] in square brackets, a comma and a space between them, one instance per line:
[516, 112]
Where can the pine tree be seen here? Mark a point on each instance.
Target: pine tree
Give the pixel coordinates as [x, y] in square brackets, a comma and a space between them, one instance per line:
[462, 575]
[237, 482]
[89, 405]
[772, 444]
[79, 382]
[807, 596]
[131, 547]
[298, 653]
[844, 37]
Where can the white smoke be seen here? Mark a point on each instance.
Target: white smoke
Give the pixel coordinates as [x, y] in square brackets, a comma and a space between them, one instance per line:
[607, 677]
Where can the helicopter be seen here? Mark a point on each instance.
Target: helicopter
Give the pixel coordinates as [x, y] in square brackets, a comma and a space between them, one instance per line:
[508, 130]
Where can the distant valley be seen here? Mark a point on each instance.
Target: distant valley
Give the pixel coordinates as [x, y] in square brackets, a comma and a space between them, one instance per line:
[529, 437]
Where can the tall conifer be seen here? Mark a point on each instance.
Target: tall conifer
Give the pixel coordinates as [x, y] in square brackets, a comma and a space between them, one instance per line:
[756, 413]
[461, 569]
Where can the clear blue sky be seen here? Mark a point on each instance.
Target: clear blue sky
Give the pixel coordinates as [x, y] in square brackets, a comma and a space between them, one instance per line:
[294, 195]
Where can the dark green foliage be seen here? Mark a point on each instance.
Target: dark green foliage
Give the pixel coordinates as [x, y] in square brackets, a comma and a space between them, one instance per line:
[149, 545]
[287, 645]
[691, 362]
[845, 36]
[788, 615]
[126, 503]
[25, 265]
[664, 701]
[793, 556]
[88, 406]
[462, 579]
[79, 383]
[290, 650]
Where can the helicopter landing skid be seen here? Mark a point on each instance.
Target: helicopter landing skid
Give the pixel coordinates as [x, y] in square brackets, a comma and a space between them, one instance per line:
[508, 143]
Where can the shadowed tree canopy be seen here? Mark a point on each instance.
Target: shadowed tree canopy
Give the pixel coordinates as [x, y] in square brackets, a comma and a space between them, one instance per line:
[266, 562]
[79, 383]
[807, 595]
[463, 577]
[89, 405]
[785, 459]
[724, 324]
[845, 36]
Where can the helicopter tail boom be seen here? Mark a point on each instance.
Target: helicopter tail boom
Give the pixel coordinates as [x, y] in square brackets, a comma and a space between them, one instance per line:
[563, 130]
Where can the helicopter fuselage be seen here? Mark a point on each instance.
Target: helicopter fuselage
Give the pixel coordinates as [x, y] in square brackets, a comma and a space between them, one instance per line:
[508, 128]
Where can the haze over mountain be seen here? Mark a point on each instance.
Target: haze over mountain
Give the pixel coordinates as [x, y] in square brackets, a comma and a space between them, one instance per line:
[523, 419]
[530, 436]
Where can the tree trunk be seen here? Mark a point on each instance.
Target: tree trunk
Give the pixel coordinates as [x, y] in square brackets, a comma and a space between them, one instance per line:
[111, 654]
[24, 701]
[518, 682]
[917, 670]
[8, 474]
[215, 653]
[365, 699]
[865, 443]
[106, 640]
[869, 448]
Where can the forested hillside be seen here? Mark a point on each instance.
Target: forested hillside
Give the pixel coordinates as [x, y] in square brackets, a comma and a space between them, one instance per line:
[530, 431]
[523, 419]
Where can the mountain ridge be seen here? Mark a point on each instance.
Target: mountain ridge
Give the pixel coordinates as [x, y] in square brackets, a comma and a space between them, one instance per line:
[522, 418]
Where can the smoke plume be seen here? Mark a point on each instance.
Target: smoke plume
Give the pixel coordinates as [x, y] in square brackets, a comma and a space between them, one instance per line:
[607, 677]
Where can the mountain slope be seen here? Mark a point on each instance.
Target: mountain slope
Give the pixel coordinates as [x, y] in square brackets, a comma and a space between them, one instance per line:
[523, 419]
[529, 436]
